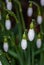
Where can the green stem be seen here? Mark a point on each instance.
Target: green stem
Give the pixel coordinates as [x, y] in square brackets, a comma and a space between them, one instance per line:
[32, 57]
[19, 32]
[12, 14]
[20, 9]
[32, 53]
[41, 58]
[2, 27]
[28, 54]
[12, 53]
[19, 24]
[41, 30]
[34, 4]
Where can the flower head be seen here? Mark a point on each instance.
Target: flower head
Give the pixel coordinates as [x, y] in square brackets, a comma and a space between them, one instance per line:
[39, 19]
[30, 10]
[24, 42]
[39, 41]
[31, 32]
[5, 45]
[8, 23]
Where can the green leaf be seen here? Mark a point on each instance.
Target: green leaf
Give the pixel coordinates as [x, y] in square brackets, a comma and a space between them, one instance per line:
[4, 60]
[12, 53]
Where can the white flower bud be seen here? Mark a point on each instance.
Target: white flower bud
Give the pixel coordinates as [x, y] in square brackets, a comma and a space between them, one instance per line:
[42, 2]
[5, 46]
[30, 11]
[9, 5]
[31, 34]
[39, 19]
[24, 44]
[0, 63]
[8, 24]
[38, 43]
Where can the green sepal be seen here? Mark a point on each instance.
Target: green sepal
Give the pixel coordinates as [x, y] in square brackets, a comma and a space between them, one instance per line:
[5, 39]
[24, 36]
[39, 12]
[7, 17]
[39, 36]
[30, 5]
[32, 24]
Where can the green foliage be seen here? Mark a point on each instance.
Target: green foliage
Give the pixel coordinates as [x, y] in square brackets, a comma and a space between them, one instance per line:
[15, 55]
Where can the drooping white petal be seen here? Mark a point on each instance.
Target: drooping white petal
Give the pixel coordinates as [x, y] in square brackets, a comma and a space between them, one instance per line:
[8, 24]
[29, 11]
[31, 34]
[9, 5]
[42, 2]
[24, 44]
[0, 63]
[38, 43]
[39, 19]
[5, 46]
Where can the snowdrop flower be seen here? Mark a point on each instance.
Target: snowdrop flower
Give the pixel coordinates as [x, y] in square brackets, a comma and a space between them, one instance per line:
[8, 24]
[42, 2]
[29, 11]
[38, 43]
[39, 19]
[9, 5]
[31, 32]
[5, 46]
[24, 42]
[0, 63]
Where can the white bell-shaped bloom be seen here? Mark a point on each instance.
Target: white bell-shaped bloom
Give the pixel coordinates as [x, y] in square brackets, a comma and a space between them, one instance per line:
[0, 63]
[31, 34]
[38, 43]
[9, 5]
[29, 11]
[8, 24]
[5, 46]
[39, 19]
[24, 44]
[42, 2]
